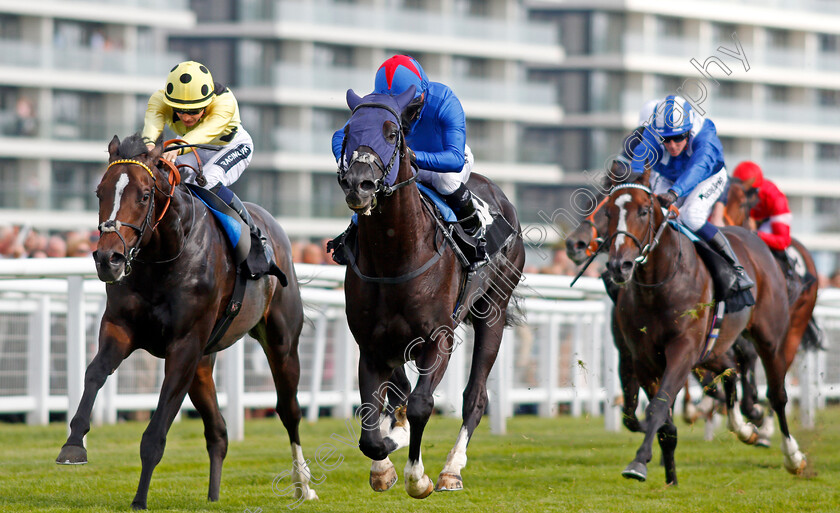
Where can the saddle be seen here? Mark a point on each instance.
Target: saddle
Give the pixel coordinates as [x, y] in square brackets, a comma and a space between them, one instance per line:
[469, 250]
[723, 276]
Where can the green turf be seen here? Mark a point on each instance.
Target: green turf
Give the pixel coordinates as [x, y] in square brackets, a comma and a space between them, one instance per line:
[560, 464]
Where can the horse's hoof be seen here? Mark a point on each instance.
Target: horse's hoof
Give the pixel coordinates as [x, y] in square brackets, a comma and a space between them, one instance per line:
[310, 495]
[763, 442]
[750, 437]
[635, 470]
[72, 455]
[383, 481]
[449, 482]
[425, 492]
[138, 505]
[797, 470]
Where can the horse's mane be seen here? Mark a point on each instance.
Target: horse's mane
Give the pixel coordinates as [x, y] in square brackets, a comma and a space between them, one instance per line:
[132, 146]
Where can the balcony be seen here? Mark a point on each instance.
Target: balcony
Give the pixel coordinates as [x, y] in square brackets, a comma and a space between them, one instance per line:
[403, 21]
[24, 54]
[337, 80]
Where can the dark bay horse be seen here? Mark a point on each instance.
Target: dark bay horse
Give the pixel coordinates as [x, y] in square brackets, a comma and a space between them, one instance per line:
[170, 276]
[402, 293]
[584, 242]
[738, 206]
[663, 315]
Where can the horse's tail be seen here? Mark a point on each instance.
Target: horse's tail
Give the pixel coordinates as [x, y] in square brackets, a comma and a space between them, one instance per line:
[516, 315]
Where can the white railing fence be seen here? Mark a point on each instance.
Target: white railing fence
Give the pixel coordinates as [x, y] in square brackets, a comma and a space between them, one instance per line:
[561, 360]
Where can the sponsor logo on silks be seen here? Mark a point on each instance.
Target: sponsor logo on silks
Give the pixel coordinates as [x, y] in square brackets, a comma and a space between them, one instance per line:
[233, 157]
[713, 188]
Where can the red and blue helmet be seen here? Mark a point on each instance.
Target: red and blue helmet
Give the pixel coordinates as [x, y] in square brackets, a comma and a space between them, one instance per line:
[397, 74]
[673, 116]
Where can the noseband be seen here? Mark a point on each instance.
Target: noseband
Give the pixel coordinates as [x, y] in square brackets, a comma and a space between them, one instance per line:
[370, 159]
[114, 225]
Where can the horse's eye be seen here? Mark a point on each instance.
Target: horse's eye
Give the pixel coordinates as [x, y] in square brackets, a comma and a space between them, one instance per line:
[146, 197]
[644, 212]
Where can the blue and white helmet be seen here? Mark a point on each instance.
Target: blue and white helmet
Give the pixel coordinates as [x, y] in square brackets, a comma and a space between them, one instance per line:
[673, 116]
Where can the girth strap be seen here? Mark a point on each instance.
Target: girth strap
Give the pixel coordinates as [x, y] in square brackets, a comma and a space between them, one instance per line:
[232, 310]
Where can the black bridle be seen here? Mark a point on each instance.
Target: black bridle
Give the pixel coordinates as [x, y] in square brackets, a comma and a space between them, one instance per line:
[650, 235]
[114, 225]
[380, 187]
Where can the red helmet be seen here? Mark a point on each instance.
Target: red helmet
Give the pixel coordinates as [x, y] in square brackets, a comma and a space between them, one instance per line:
[749, 173]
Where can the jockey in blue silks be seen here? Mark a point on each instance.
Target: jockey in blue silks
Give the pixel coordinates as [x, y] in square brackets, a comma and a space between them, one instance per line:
[436, 135]
[686, 158]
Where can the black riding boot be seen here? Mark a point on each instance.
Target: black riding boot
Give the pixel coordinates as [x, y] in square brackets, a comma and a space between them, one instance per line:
[257, 266]
[461, 202]
[720, 244]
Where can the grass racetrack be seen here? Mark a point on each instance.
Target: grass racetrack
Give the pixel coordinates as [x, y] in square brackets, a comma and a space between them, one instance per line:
[560, 464]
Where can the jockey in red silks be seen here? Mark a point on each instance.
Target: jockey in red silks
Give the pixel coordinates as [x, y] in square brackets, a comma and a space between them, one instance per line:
[771, 213]
[773, 217]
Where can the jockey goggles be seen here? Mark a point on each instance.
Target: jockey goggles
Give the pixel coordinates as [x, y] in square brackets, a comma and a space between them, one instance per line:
[188, 112]
[675, 138]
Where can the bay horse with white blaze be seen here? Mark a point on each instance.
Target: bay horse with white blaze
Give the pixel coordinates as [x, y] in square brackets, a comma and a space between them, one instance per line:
[170, 276]
[664, 315]
[584, 242]
[402, 291]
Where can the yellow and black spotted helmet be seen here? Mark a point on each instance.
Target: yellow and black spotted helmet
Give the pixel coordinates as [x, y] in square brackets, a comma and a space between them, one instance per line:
[188, 86]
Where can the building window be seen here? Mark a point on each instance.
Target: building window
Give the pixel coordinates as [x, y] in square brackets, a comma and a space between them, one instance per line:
[777, 38]
[327, 197]
[828, 152]
[723, 32]
[829, 97]
[470, 67]
[332, 55]
[778, 94]
[829, 43]
[670, 27]
[10, 26]
[776, 149]
[73, 185]
[10, 178]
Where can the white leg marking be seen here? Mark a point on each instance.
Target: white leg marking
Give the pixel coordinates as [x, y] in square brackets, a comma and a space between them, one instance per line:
[457, 458]
[622, 219]
[794, 459]
[301, 474]
[118, 192]
[381, 465]
[706, 405]
[416, 480]
[384, 425]
[736, 424]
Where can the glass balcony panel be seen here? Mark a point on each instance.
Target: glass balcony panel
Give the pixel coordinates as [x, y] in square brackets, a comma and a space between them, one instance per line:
[403, 21]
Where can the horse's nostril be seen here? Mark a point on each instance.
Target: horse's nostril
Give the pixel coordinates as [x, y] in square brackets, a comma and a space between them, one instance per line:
[627, 265]
[344, 184]
[367, 186]
[116, 259]
[579, 245]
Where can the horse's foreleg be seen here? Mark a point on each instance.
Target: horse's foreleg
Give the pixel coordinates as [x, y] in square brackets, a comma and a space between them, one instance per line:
[431, 365]
[630, 391]
[180, 368]
[745, 358]
[373, 387]
[114, 347]
[203, 395]
[658, 412]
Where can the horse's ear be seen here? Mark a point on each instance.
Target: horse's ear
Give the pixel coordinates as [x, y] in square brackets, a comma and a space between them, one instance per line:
[155, 153]
[646, 175]
[404, 98]
[353, 99]
[113, 146]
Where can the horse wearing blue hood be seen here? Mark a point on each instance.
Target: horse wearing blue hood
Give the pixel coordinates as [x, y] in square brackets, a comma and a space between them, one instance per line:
[407, 291]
